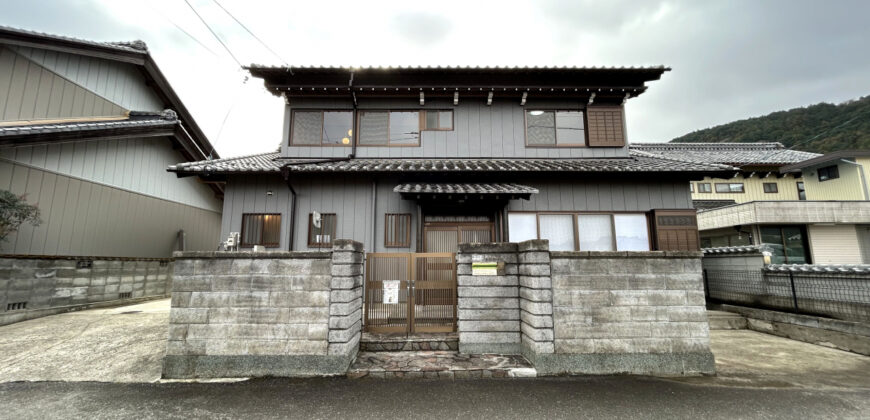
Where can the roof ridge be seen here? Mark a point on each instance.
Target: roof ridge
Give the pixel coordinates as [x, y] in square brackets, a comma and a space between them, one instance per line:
[137, 46]
[756, 145]
[454, 67]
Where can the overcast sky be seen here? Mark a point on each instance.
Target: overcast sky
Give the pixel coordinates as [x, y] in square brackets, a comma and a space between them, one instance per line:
[730, 59]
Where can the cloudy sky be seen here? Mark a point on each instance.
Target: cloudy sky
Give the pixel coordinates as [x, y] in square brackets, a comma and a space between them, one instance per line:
[730, 59]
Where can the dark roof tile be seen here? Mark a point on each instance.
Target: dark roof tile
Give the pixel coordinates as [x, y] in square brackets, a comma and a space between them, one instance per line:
[738, 154]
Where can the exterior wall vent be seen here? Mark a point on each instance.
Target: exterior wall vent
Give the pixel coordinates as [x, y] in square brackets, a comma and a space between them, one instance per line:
[16, 306]
[125, 295]
[84, 263]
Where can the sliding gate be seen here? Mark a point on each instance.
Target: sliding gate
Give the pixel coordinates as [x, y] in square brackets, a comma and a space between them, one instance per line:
[410, 292]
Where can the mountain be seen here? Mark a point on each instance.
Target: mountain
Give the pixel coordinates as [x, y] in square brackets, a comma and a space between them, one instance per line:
[838, 127]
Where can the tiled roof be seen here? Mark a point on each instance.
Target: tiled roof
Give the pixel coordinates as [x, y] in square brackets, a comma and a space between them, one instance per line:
[738, 154]
[133, 46]
[321, 67]
[136, 120]
[711, 204]
[743, 249]
[269, 162]
[487, 188]
[819, 268]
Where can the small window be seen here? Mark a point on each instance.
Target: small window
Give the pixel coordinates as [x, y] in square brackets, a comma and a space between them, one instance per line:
[704, 187]
[321, 236]
[390, 128]
[555, 128]
[437, 120]
[327, 128]
[728, 188]
[261, 229]
[770, 187]
[802, 193]
[691, 187]
[828, 173]
[397, 230]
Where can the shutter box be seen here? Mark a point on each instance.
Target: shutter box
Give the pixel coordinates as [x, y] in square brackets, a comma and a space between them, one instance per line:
[606, 126]
[676, 230]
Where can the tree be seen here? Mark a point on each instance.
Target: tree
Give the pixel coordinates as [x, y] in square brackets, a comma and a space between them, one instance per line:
[14, 211]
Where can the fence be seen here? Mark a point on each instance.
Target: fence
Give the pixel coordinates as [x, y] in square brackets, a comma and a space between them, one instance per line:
[837, 295]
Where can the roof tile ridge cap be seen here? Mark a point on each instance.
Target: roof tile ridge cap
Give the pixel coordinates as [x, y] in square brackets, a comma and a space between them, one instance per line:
[221, 160]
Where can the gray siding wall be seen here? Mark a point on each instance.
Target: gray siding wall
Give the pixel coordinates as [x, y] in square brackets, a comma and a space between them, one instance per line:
[29, 91]
[80, 217]
[119, 83]
[137, 164]
[350, 197]
[479, 131]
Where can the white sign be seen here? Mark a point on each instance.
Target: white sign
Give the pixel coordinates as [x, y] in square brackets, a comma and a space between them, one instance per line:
[391, 291]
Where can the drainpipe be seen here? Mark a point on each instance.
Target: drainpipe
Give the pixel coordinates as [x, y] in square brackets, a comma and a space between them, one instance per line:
[286, 173]
[374, 215]
[866, 191]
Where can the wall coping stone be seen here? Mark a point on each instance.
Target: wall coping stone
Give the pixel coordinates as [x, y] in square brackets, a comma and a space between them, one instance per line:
[626, 254]
[78, 257]
[534, 245]
[491, 247]
[182, 255]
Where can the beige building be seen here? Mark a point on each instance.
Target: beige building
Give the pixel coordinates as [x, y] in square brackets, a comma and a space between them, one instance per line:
[840, 175]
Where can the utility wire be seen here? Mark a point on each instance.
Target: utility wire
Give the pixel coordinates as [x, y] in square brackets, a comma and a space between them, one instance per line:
[252, 34]
[814, 137]
[213, 33]
[195, 39]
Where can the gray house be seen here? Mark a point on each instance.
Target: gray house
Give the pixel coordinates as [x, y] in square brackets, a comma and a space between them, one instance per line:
[86, 132]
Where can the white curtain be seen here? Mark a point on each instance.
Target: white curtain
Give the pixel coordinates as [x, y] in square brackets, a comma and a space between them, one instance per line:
[596, 232]
[522, 227]
[559, 229]
[631, 232]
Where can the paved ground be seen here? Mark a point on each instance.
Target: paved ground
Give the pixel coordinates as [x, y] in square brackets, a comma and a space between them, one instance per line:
[124, 344]
[760, 376]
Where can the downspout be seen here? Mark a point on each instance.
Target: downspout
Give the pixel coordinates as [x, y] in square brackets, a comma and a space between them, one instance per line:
[374, 215]
[286, 173]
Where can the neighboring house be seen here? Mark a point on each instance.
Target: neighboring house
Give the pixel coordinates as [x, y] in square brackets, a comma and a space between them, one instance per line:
[421, 159]
[759, 178]
[839, 175]
[86, 132]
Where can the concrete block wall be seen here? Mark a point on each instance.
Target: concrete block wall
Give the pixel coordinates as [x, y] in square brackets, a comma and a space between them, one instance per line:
[488, 307]
[536, 299]
[54, 284]
[241, 314]
[628, 312]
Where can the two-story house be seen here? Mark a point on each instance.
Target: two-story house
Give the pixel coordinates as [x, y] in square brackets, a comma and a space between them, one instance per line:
[421, 159]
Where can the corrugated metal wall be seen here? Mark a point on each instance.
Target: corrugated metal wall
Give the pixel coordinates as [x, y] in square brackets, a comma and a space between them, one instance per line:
[834, 244]
[85, 218]
[120, 83]
[479, 131]
[137, 164]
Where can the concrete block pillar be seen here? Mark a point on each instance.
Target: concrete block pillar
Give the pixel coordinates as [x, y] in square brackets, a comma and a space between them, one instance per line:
[536, 298]
[488, 305]
[345, 298]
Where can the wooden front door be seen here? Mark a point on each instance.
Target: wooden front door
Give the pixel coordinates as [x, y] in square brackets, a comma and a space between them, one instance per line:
[446, 236]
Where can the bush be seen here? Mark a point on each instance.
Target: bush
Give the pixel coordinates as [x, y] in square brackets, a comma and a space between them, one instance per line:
[14, 211]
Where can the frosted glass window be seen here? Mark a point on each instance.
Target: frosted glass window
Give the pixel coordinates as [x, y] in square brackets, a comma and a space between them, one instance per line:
[569, 128]
[596, 232]
[559, 229]
[373, 127]
[631, 232]
[522, 226]
[307, 127]
[541, 127]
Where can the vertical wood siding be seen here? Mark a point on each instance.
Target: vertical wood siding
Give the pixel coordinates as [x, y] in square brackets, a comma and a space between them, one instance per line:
[479, 131]
[120, 83]
[754, 187]
[137, 164]
[28, 91]
[605, 196]
[84, 218]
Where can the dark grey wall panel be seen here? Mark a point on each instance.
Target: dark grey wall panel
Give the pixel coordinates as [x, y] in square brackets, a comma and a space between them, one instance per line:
[605, 196]
[85, 218]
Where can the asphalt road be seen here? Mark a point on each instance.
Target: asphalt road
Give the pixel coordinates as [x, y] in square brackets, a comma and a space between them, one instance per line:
[578, 397]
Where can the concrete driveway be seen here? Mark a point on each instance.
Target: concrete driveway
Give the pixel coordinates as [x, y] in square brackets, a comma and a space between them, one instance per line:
[127, 344]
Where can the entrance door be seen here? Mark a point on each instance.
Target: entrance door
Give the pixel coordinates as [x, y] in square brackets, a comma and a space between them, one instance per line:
[446, 236]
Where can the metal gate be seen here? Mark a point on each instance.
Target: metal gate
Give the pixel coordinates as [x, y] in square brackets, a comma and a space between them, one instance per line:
[426, 299]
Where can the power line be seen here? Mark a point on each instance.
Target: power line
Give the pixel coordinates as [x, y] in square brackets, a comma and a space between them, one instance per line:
[814, 137]
[213, 33]
[195, 39]
[251, 33]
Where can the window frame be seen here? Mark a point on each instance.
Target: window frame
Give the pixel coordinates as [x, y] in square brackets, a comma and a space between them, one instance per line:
[709, 188]
[832, 172]
[585, 143]
[801, 188]
[406, 242]
[360, 112]
[322, 119]
[424, 112]
[764, 186]
[574, 214]
[692, 187]
[243, 244]
[311, 225]
[742, 188]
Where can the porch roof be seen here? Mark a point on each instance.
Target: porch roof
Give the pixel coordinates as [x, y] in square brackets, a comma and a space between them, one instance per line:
[483, 188]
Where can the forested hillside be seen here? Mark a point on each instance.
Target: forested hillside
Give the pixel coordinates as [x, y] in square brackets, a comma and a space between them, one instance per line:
[797, 126]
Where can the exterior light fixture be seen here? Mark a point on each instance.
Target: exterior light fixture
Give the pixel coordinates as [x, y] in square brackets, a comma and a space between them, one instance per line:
[269, 193]
[536, 112]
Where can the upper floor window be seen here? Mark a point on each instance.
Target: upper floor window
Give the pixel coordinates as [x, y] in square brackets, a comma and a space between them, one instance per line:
[260, 229]
[771, 187]
[802, 192]
[828, 173]
[704, 187]
[389, 128]
[691, 187]
[555, 128]
[437, 120]
[733, 187]
[322, 128]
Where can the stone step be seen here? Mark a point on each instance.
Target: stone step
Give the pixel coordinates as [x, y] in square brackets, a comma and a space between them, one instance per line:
[438, 365]
[721, 320]
[415, 342]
